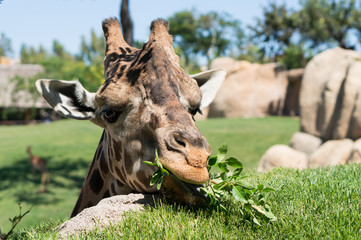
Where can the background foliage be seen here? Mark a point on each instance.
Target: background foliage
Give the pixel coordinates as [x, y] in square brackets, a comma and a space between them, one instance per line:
[289, 36]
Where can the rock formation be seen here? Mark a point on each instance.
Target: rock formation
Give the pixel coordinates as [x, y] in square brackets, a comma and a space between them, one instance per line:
[256, 90]
[108, 211]
[330, 105]
[330, 95]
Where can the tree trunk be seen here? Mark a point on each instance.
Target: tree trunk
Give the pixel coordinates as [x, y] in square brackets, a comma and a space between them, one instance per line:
[126, 22]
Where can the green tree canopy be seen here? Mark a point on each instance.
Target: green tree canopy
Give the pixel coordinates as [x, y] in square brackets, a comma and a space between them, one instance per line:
[217, 33]
[183, 28]
[5, 45]
[92, 52]
[273, 32]
[325, 22]
[209, 35]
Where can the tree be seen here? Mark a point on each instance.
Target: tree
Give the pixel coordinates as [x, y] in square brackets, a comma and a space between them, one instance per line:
[126, 22]
[329, 22]
[5, 45]
[92, 52]
[310, 24]
[273, 33]
[31, 55]
[183, 28]
[216, 33]
[209, 35]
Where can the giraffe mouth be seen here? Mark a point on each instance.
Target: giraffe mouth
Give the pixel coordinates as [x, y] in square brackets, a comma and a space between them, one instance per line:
[177, 190]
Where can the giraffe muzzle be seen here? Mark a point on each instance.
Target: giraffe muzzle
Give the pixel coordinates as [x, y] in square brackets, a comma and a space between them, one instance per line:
[186, 156]
[176, 190]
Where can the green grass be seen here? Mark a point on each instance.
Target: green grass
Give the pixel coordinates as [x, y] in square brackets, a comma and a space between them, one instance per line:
[248, 139]
[321, 203]
[309, 204]
[67, 145]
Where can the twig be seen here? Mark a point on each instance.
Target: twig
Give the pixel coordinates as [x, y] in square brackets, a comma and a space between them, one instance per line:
[258, 209]
[4, 237]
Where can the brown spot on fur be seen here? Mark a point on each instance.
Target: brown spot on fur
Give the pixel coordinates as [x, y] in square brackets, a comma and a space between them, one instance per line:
[146, 57]
[133, 75]
[112, 188]
[119, 183]
[103, 165]
[118, 151]
[106, 84]
[159, 95]
[138, 186]
[77, 205]
[122, 50]
[142, 178]
[89, 204]
[96, 182]
[128, 163]
[131, 185]
[110, 160]
[106, 194]
[114, 69]
[119, 175]
[154, 121]
[174, 86]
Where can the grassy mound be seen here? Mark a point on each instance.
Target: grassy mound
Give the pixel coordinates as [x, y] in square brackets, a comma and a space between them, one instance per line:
[320, 203]
[309, 204]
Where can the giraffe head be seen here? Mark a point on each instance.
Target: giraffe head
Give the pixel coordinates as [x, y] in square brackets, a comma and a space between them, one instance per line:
[147, 102]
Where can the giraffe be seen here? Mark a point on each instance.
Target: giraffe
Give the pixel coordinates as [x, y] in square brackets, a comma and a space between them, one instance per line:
[146, 103]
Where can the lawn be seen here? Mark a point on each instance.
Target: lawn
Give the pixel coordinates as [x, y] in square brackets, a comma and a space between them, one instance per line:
[321, 203]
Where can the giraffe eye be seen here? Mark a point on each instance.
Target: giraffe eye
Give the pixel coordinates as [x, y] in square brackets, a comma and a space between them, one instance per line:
[111, 116]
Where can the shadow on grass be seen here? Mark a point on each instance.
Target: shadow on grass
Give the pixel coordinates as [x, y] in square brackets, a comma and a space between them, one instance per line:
[66, 174]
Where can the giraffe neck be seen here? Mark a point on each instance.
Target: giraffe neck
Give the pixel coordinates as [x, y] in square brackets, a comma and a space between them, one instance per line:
[112, 172]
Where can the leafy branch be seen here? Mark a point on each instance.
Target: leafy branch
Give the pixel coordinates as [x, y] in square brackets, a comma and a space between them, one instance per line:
[226, 187]
[229, 186]
[158, 175]
[14, 221]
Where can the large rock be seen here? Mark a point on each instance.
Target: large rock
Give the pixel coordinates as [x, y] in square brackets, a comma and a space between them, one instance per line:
[331, 153]
[356, 152]
[282, 156]
[305, 142]
[108, 211]
[249, 90]
[292, 103]
[330, 97]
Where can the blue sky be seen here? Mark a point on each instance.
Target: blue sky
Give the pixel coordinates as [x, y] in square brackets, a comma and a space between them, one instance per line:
[35, 22]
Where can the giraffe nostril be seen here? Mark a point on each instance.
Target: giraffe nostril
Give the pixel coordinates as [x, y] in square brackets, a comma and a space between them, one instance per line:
[180, 142]
[176, 143]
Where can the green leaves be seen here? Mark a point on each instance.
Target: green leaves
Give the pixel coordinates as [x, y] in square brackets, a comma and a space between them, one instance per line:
[234, 163]
[239, 194]
[159, 174]
[222, 163]
[230, 186]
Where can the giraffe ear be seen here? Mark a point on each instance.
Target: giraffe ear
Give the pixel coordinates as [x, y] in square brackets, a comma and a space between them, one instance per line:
[68, 98]
[209, 82]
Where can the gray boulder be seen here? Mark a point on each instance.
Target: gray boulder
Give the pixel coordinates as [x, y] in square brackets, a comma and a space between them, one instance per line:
[249, 90]
[355, 156]
[292, 102]
[330, 97]
[305, 142]
[331, 153]
[282, 156]
[108, 211]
